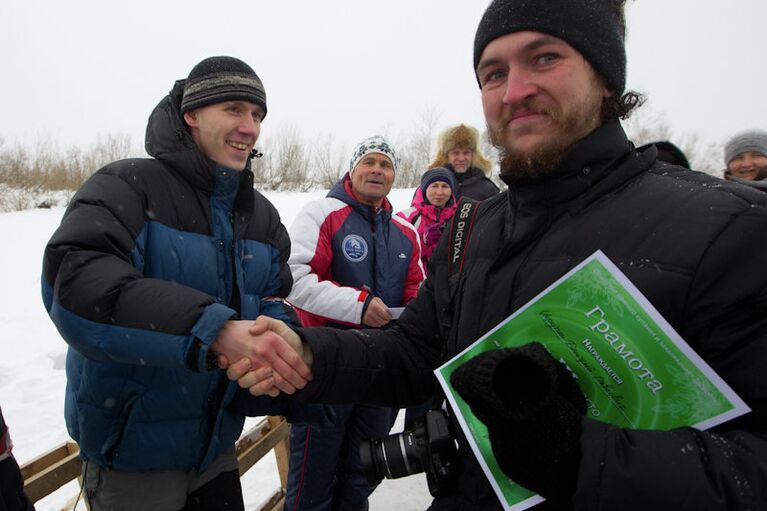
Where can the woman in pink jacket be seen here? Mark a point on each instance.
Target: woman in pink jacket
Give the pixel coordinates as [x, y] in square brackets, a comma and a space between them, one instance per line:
[432, 209]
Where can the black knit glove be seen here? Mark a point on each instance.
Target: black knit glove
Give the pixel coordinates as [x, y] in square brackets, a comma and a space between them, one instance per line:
[532, 408]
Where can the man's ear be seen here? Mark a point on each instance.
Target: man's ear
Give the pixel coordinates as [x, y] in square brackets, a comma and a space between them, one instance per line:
[191, 118]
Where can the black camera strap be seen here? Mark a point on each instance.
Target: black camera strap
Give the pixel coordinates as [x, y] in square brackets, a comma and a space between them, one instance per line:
[460, 232]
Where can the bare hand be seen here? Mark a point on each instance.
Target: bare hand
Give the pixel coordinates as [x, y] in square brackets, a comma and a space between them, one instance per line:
[266, 352]
[377, 314]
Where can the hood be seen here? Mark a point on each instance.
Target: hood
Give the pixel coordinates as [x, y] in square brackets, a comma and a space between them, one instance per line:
[471, 174]
[168, 139]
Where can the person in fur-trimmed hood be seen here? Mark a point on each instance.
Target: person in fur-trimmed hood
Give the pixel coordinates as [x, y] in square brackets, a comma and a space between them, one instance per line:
[459, 151]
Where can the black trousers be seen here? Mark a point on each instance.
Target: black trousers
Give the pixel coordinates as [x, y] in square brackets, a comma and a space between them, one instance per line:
[222, 493]
[12, 497]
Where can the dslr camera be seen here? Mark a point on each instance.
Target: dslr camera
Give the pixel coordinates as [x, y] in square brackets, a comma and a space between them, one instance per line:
[428, 446]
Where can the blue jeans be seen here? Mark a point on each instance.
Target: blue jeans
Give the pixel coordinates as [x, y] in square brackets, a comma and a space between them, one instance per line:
[325, 472]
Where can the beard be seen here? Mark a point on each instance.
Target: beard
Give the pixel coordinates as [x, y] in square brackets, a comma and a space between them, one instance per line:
[526, 166]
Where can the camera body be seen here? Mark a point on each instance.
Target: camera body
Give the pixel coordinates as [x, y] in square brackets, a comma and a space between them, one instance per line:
[429, 446]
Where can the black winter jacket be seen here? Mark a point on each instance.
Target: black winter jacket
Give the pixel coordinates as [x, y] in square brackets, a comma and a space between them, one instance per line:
[473, 184]
[692, 244]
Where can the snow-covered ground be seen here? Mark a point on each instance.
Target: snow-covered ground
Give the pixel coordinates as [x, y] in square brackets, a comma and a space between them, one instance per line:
[32, 378]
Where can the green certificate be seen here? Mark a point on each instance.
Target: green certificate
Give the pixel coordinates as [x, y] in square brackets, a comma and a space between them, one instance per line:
[634, 369]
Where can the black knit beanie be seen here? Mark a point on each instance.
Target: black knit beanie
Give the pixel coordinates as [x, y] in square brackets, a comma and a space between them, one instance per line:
[437, 174]
[218, 79]
[593, 27]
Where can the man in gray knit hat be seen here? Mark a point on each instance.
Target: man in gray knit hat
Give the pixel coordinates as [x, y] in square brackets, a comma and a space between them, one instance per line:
[745, 155]
[159, 265]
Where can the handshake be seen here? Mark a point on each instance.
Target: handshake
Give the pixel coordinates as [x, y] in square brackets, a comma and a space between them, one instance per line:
[264, 356]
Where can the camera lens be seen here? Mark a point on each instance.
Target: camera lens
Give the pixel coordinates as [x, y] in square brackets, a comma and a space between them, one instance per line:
[391, 457]
[427, 447]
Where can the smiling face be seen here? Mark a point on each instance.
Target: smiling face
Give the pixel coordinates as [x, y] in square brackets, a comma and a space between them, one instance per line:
[460, 158]
[372, 178]
[226, 132]
[539, 96]
[748, 165]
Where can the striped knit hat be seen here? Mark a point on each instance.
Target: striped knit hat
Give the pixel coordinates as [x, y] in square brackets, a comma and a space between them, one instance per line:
[218, 79]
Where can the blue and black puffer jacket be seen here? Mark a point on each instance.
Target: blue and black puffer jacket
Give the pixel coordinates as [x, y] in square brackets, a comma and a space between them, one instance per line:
[152, 257]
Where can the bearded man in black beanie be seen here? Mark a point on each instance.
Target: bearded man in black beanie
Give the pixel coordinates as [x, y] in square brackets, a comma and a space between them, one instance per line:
[552, 78]
[158, 265]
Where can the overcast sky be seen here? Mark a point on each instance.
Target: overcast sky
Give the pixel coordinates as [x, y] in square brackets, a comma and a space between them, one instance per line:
[72, 70]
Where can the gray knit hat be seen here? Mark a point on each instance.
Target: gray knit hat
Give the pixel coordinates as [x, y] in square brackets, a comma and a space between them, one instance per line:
[745, 141]
[374, 144]
[218, 79]
[596, 28]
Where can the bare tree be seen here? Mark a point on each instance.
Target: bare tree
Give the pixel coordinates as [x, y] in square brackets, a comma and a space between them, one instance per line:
[29, 177]
[329, 162]
[287, 166]
[416, 149]
[646, 126]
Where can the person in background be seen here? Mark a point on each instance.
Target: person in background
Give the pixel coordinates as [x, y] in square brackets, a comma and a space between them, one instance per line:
[745, 156]
[159, 265]
[434, 210]
[12, 496]
[460, 152]
[668, 152]
[351, 261]
[552, 77]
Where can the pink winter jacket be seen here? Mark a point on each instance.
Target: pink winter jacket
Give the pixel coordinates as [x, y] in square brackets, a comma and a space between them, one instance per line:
[430, 222]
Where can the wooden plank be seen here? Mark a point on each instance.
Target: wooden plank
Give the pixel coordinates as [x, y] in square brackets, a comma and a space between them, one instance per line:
[255, 444]
[252, 436]
[275, 503]
[43, 461]
[282, 454]
[52, 470]
[51, 478]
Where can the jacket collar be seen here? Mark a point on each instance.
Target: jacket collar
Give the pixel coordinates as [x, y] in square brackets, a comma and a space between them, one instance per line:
[471, 173]
[342, 191]
[432, 212]
[588, 163]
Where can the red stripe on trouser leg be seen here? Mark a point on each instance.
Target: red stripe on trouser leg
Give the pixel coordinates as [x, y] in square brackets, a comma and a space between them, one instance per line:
[303, 468]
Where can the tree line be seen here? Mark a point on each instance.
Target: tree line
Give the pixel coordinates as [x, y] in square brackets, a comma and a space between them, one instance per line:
[30, 175]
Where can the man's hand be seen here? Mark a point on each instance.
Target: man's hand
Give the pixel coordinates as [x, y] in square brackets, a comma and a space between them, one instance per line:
[377, 314]
[268, 351]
